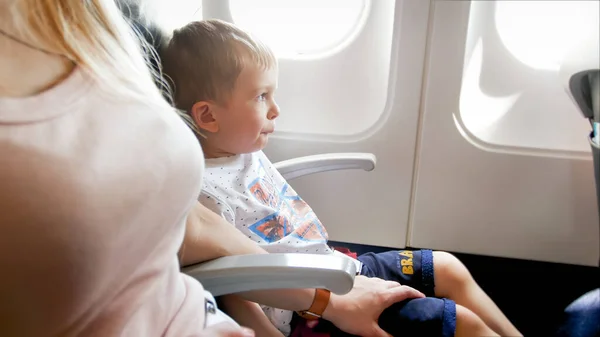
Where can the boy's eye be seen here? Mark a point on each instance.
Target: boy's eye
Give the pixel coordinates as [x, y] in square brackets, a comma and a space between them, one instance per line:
[262, 96]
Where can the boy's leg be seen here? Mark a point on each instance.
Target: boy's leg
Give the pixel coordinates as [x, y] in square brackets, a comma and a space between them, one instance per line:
[469, 324]
[416, 269]
[248, 314]
[421, 317]
[427, 316]
[453, 280]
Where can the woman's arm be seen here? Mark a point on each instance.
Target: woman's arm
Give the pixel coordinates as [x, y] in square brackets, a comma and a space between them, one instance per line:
[208, 236]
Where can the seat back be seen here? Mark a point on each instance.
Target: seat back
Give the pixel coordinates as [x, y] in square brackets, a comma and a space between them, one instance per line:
[152, 34]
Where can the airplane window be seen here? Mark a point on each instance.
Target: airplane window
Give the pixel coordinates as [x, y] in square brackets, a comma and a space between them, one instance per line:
[334, 59]
[511, 96]
[298, 27]
[176, 14]
[540, 34]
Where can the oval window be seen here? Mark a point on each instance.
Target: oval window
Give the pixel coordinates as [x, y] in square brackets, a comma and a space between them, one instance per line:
[299, 27]
[538, 33]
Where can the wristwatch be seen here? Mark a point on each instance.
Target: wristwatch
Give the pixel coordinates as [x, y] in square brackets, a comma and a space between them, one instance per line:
[318, 305]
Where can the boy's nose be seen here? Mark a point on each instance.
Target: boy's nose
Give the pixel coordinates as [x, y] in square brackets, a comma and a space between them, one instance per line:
[274, 112]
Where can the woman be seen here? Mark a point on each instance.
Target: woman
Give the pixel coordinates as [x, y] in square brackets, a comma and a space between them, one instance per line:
[97, 176]
[98, 186]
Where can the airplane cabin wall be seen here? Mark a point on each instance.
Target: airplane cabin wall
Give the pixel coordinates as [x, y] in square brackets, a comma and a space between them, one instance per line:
[457, 169]
[516, 202]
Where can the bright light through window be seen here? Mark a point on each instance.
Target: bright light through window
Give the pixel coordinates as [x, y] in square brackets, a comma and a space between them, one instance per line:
[512, 95]
[539, 33]
[177, 13]
[294, 27]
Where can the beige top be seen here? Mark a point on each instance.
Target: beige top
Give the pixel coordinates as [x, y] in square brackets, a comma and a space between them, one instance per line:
[94, 192]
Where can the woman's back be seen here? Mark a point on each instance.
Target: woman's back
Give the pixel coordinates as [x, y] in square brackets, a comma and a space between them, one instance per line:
[94, 194]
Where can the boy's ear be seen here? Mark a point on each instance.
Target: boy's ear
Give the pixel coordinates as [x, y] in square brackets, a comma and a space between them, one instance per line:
[204, 116]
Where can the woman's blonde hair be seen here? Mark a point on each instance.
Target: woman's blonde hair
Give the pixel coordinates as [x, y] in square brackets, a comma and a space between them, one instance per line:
[97, 37]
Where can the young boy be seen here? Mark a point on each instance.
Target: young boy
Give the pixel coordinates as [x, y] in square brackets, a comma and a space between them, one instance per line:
[226, 80]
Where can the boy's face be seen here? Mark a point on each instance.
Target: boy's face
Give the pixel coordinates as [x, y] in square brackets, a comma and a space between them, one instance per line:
[244, 122]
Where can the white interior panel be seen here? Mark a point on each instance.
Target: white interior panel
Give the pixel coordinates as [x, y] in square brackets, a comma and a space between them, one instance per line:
[511, 204]
[361, 207]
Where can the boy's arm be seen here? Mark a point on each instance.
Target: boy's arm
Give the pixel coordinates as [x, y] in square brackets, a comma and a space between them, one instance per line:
[249, 314]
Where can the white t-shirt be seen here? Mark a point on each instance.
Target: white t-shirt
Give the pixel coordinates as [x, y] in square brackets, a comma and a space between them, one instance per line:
[94, 193]
[250, 193]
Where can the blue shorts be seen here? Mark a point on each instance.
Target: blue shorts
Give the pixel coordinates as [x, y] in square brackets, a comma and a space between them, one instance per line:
[428, 316]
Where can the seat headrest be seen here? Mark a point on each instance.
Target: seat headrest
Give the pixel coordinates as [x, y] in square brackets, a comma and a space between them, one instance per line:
[149, 31]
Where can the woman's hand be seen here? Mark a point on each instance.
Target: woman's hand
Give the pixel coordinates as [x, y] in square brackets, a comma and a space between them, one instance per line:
[226, 329]
[358, 311]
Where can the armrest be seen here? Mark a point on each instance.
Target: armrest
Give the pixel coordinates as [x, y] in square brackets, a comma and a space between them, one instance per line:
[234, 274]
[301, 166]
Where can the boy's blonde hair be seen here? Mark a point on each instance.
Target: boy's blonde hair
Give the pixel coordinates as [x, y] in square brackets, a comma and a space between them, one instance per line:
[204, 59]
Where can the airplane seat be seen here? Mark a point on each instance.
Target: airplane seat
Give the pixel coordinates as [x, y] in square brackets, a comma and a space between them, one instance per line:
[580, 76]
[582, 317]
[595, 144]
[233, 274]
[580, 72]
